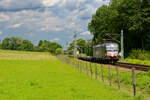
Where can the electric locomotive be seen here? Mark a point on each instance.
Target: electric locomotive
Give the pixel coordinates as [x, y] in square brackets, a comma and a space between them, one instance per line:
[106, 52]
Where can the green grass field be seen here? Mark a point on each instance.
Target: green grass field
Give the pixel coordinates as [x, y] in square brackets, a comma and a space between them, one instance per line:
[41, 76]
[142, 78]
[137, 61]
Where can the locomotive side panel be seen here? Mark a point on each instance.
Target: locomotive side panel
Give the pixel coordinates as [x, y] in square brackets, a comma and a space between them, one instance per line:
[99, 51]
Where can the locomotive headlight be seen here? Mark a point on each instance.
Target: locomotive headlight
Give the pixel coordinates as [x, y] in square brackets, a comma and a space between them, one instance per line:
[112, 54]
[108, 55]
[116, 55]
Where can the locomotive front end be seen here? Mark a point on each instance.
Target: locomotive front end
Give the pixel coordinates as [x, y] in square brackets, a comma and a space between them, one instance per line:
[112, 51]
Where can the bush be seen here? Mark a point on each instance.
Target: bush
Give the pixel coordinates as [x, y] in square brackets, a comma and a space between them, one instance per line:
[139, 54]
[0, 46]
[58, 51]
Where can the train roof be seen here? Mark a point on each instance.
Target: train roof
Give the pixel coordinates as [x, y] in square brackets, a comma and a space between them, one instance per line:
[106, 43]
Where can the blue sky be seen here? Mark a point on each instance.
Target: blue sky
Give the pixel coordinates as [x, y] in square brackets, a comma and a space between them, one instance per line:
[53, 20]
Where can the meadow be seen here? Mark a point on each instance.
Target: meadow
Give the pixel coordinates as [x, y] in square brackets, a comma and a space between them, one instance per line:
[142, 78]
[41, 76]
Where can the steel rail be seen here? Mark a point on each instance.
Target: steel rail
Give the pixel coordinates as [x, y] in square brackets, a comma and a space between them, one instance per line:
[130, 66]
[121, 64]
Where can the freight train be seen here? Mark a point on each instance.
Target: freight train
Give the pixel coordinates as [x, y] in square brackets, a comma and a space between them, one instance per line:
[107, 52]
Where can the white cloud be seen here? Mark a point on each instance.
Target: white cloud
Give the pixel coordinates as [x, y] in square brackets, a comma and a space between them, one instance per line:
[53, 28]
[19, 4]
[47, 16]
[102, 0]
[57, 29]
[56, 39]
[49, 3]
[16, 25]
[99, 0]
[86, 33]
[1, 32]
[72, 4]
[35, 20]
[4, 17]
[44, 28]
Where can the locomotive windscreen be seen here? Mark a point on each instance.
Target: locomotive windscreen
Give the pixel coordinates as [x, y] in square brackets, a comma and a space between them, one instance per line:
[112, 46]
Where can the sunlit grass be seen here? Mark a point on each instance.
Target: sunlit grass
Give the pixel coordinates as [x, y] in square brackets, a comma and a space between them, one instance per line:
[49, 79]
[22, 55]
[142, 78]
[137, 61]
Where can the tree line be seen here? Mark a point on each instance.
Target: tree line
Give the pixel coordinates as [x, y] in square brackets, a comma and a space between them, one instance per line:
[16, 43]
[131, 16]
[83, 46]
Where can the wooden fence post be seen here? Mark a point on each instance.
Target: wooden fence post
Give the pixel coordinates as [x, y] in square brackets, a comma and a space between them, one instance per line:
[102, 72]
[78, 65]
[118, 79]
[96, 70]
[81, 66]
[91, 69]
[73, 61]
[87, 68]
[133, 80]
[110, 75]
[84, 66]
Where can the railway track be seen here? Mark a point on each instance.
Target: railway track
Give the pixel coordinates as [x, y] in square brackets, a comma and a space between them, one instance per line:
[123, 65]
[130, 66]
